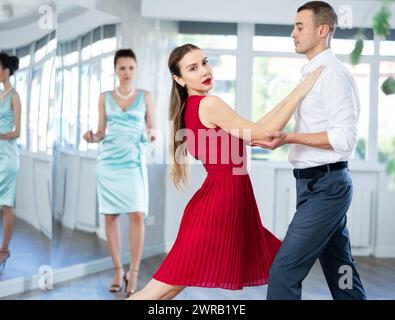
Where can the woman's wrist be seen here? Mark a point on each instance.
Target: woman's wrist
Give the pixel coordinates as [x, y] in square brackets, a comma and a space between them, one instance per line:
[95, 138]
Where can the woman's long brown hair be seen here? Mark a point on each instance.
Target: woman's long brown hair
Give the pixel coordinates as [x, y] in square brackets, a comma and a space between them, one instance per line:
[178, 98]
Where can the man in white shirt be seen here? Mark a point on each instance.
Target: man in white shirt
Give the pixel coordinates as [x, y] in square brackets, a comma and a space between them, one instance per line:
[325, 138]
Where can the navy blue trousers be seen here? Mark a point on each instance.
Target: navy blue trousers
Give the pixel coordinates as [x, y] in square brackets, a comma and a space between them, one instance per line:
[318, 230]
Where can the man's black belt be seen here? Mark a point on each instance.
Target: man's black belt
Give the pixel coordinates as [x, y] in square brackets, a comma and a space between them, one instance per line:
[319, 171]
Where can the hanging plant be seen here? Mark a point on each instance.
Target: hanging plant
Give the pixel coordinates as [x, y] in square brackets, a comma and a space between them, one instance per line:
[388, 86]
[355, 55]
[381, 21]
[381, 27]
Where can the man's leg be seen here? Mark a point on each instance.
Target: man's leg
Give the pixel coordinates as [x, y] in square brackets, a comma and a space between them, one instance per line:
[338, 264]
[316, 220]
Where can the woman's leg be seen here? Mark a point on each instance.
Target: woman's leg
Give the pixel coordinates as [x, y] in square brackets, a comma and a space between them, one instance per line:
[136, 243]
[8, 226]
[157, 290]
[113, 235]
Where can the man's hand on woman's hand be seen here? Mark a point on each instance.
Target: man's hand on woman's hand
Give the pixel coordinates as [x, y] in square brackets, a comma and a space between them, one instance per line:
[277, 140]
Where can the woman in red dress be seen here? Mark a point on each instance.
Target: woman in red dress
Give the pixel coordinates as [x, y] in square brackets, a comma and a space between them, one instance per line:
[221, 242]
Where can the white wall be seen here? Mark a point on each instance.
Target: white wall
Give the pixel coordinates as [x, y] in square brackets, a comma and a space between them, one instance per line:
[384, 237]
[253, 11]
[34, 191]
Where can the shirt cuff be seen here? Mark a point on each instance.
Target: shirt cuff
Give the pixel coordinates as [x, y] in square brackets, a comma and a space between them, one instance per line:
[339, 141]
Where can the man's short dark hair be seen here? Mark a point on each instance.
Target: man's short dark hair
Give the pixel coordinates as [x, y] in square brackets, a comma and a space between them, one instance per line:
[323, 13]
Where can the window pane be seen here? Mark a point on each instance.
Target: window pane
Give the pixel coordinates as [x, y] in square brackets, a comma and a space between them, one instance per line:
[24, 56]
[34, 110]
[51, 130]
[86, 53]
[97, 48]
[90, 92]
[70, 58]
[273, 80]
[86, 46]
[40, 49]
[96, 36]
[107, 75]
[386, 119]
[109, 31]
[361, 74]
[109, 44]
[51, 45]
[58, 101]
[84, 104]
[224, 73]
[208, 41]
[70, 107]
[97, 44]
[24, 61]
[278, 44]
[94, 93]
[387, 48]
[40, 53]
[43, 110]
[346, 46]
[21, 88]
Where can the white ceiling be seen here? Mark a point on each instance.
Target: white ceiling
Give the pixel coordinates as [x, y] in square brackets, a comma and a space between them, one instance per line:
[25, 11]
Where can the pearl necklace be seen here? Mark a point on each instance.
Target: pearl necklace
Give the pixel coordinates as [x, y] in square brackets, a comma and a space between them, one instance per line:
[4, 93]
[130, 93]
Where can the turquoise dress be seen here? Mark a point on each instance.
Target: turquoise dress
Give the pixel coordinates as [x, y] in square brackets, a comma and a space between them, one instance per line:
[121, 171]
[9, 156]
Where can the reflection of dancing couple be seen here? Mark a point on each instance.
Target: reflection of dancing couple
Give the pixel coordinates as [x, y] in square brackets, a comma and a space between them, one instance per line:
[221, 241]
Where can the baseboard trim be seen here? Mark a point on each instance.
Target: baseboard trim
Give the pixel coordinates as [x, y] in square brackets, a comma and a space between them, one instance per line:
[362, 252]
[384, 252]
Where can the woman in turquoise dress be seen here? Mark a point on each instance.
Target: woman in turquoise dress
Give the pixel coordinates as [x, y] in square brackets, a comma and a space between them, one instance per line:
[126, 124]
[10, 116]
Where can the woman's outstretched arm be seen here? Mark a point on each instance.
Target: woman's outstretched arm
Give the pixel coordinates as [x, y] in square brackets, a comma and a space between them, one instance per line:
[214, 112]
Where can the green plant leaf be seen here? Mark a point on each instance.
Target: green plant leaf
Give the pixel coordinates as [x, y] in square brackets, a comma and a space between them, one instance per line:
[355, 55]
[388, 86]
[381, 21]
[390, 167]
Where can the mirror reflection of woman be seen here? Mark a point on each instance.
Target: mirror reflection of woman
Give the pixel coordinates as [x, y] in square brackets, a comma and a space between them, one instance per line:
[126, 123]
[10, 118]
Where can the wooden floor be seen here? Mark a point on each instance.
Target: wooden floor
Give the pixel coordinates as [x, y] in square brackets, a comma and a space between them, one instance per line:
[29, 248]
[378, 277]
[70, 247]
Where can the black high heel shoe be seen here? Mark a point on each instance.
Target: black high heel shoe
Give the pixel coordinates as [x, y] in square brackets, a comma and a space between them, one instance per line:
[125, 278]
[7, 254]
[115, 287]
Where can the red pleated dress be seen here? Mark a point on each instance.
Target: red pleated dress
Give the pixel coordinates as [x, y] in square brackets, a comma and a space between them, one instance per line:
[221, 242]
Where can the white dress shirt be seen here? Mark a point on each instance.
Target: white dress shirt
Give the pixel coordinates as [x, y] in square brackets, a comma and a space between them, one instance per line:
[332, 106]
